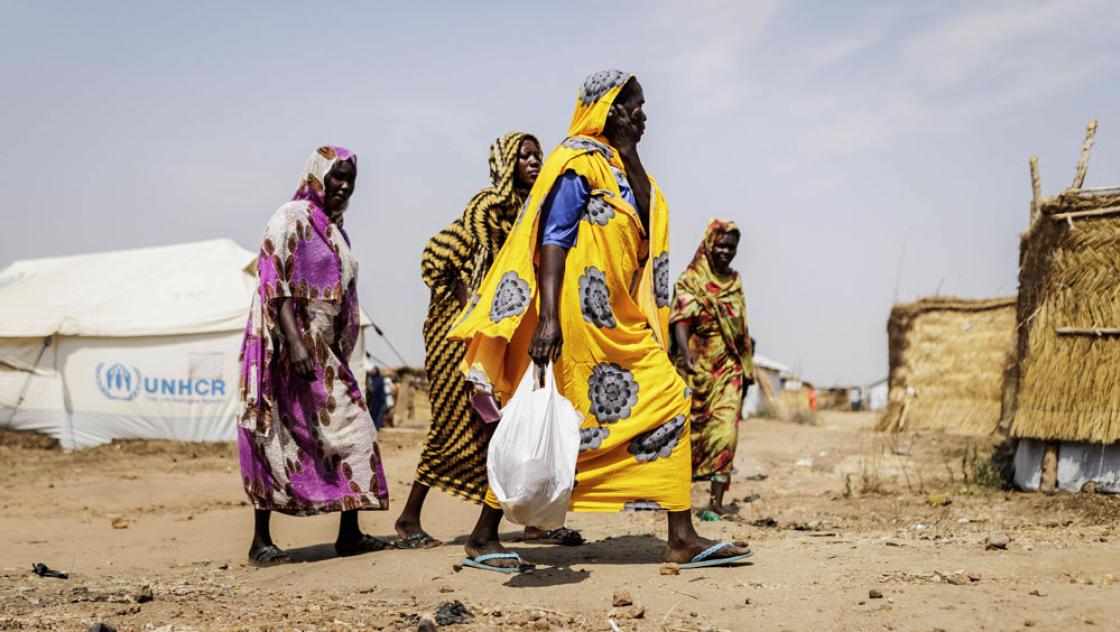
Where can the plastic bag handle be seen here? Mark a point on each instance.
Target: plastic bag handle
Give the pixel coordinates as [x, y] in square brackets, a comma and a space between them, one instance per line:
[538, 373]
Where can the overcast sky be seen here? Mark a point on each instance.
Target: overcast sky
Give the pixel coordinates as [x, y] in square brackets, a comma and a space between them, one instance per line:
[870, 151]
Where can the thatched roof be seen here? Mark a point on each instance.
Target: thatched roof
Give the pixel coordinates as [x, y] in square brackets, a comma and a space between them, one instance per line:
[1064, 386]
[948, 357]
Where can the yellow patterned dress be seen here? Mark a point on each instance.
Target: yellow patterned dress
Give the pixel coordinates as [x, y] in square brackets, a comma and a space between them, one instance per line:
[454, 456]
[614, 314]
[714, 308]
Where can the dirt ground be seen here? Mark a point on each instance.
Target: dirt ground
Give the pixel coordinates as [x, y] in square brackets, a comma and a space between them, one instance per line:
[842, 514]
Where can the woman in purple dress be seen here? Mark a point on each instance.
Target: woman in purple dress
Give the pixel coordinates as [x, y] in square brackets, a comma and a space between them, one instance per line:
[306, 439]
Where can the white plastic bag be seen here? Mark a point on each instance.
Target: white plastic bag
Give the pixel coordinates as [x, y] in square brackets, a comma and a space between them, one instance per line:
[532, 459]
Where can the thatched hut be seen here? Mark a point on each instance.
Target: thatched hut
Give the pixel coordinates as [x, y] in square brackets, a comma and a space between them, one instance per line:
[1063, 399]
[948, 357]
[842, 398]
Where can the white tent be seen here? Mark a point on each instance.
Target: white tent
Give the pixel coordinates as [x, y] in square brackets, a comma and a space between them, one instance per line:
[138, 344]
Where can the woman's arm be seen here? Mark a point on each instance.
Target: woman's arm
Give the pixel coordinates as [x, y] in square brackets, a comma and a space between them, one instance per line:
[681, 334]
[298, 355]
[548, 339]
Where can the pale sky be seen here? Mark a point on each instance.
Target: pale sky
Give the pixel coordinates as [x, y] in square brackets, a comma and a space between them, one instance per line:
[870, 151]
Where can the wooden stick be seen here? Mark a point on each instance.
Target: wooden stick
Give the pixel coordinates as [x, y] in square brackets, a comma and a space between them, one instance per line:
[1036, 190]
[1084, 191]
[1083, 160]
[1087, 331]
[1108, 210]
[1049, 481]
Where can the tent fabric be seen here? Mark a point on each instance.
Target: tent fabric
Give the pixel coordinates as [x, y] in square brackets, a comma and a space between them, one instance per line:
[185, 288]
[140, 344]
[1078, 463]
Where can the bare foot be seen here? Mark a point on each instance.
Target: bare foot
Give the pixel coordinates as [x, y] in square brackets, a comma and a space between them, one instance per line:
[722, 510]
[476, 548]
[682, 551]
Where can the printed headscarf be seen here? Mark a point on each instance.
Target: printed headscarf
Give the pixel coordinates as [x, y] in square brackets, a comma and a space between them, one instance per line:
[496, 207]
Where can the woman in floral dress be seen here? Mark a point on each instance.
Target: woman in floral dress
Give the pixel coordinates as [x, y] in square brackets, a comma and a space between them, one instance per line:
[306, 440]
[712, 350]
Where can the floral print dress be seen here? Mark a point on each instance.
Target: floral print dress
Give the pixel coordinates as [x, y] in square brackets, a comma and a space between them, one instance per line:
[307, 447]
[713, 306]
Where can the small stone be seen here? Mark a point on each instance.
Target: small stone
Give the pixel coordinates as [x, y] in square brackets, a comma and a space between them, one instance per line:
[446, 589]
[223, 567]
[693, 614]
[120, 523]
[622, 598]
[997, 542]
[1030, 623]
[144, 595]
[637, 611]
[893, 543]
[670, 569]
[427, 624]
[958, 579]
[456, 567]
[747, 601]
[974, 576]
[1037, 593]
[875, 593]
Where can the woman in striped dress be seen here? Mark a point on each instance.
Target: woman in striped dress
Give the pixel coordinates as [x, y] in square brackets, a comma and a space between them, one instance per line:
[454, 262]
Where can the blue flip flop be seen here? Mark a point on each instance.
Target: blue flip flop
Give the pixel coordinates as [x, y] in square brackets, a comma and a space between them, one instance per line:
[704, 558]
[480, 562]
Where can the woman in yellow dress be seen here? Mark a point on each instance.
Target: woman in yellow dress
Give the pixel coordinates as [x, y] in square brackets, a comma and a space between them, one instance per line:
[597, 228]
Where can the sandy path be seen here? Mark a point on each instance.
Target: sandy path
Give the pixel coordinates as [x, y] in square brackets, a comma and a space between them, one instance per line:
[188, 532]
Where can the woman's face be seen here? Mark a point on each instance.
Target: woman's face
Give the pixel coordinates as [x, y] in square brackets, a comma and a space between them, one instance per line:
[339, 186]
[627, 118]
[528, 164]
[723, 251]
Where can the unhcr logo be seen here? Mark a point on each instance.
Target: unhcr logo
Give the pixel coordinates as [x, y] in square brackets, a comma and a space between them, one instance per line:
[124, 383]
[118, 381]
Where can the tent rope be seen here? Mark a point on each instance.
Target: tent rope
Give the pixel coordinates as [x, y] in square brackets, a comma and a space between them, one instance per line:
[27, 381]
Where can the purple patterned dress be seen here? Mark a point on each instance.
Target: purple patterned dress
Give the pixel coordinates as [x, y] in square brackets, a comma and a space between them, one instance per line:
[307, 447]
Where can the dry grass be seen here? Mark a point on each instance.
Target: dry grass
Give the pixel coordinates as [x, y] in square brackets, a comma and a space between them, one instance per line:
[1065, 386]
[948, 357]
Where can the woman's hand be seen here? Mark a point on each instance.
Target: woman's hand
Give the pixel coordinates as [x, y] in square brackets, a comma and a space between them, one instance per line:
[301, 362]
[460, 290]
[689, 360]
[547, 341]
[299, 358]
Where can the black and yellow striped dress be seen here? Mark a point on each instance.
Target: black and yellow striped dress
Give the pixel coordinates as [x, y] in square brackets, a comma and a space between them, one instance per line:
[454, 456]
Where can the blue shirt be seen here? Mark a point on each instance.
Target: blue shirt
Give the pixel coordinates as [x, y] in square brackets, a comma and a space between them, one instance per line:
[565, 206]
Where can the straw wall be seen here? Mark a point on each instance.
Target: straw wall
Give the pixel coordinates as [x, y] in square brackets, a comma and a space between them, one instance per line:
[1067, 380]
[835, 398]
[948, 357]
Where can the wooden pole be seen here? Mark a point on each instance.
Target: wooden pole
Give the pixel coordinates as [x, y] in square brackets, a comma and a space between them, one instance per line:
[1036, 190]
[1109, 210]
[1083, 160]
[1049, 482]
[1087, 331]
